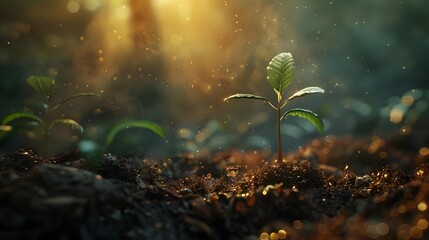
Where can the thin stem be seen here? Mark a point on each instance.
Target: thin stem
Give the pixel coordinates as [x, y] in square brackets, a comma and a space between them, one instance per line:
[46, 140]
[284, 104]
[279, 140]
[271, 105]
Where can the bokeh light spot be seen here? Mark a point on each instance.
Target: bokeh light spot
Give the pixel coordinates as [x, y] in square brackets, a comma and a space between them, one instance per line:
[73, 6]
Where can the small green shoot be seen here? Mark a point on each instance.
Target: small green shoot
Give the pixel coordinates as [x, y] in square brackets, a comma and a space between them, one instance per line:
[44, 87]
[279, 73]
[94, 151]
[131, 123]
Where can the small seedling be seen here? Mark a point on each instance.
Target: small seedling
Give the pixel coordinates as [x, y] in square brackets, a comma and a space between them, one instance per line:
[44, 86]
[94, 151]
[279, 73]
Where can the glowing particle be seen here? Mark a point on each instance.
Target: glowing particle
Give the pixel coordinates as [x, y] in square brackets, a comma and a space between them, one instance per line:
[264, 236]
[81, 38]
[273, 236]
[297, 224]
[402, 209]
[424, 151]
[282, 234]
[91, 5]
[422, 206]
[382, 228]
[73, 6]
[416, 233]
[5, 128]
[422, 224]
[383, 155]
[101, 59]
[407, 100]
[396, 115]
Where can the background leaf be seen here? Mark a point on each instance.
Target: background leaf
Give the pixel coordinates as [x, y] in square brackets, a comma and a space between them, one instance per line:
[43, 85]
[9, 118]
[130, 123]
[280, 71]
[305, 91]
[307, 114]
[245, 95]
[75, 96]
[67, 122]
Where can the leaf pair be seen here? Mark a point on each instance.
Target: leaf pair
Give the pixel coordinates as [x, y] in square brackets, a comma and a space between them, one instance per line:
[280, 71]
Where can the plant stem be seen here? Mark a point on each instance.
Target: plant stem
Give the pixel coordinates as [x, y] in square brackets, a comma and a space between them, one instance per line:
[279, 139]
[46, 140]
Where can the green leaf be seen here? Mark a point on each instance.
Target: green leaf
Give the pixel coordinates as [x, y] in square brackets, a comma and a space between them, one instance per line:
[68, 123]
[43, 85]
[13, 116]
[245, 95]
[305, 91]
[130, 123]
[75, 96]
[280, 71]
[307, 114]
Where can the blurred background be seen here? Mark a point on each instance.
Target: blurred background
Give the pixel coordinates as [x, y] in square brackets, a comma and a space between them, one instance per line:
[173, 62]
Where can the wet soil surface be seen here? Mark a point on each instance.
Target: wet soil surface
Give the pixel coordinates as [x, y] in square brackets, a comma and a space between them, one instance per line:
[333, 188]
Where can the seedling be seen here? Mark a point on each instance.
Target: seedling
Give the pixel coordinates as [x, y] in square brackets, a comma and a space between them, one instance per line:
[94, 151]
[44, 86]
[279, 73]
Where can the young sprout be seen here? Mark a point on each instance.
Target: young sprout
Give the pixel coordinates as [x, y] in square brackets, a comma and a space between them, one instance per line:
[44, 86]
[279, 73]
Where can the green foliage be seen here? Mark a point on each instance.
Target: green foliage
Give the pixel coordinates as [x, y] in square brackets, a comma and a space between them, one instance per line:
[68, 123]
[94, 151]
[280, 71]
[130, 123]
[44, 87]
[243, 95]
[306, 114]
[17, 115]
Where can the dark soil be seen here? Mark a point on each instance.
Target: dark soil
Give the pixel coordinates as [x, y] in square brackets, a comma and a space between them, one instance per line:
[333, 188]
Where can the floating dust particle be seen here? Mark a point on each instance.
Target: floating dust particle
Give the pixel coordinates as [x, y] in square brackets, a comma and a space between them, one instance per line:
[407, 100]
[273, 236]
[422, 224]
[383, 155]
[297, 224]
[422, 206]
[382, 228]
[282, 234]
[424, 151]
[264, 236]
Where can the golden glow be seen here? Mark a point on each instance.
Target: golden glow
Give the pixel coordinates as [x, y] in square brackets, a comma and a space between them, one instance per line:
[422, 224]
[422, 206]
[91, 5]
[200, 46]
[264, 236]
[282, 234]
[73, 6]
[424, 151]
[407, 100]
[5, 128]
[396, 115]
